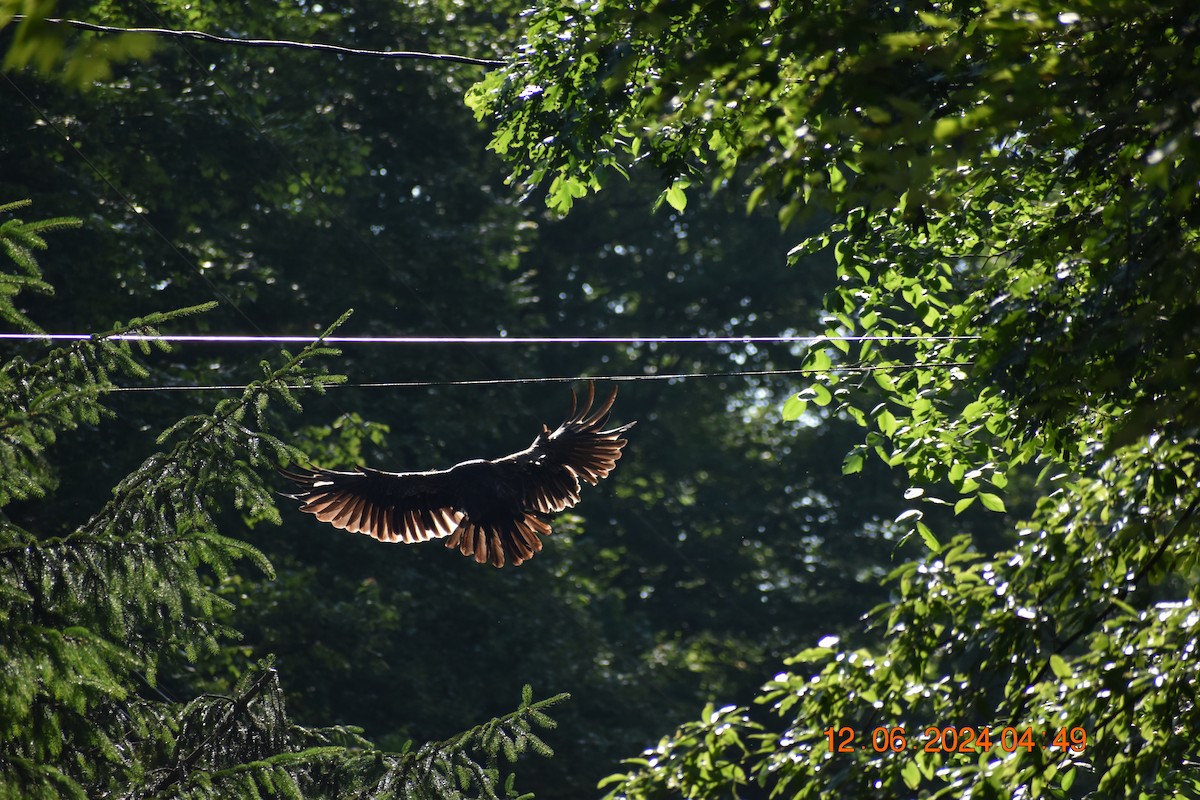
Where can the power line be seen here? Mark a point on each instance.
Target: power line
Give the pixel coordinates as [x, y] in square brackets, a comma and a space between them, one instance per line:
[337, 214]
[230, 40]
[430, 340]
[850, 369]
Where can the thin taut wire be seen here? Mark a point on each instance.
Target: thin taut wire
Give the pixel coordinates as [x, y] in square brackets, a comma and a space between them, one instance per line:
[426, 340]
[851, 369]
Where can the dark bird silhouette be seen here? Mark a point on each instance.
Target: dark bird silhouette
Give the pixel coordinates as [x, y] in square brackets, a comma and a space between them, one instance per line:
[492, 510]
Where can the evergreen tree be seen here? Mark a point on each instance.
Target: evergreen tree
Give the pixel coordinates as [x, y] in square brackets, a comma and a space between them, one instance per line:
[88, 616]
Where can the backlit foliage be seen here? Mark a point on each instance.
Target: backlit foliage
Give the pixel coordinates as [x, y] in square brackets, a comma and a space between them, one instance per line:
[1010, 192]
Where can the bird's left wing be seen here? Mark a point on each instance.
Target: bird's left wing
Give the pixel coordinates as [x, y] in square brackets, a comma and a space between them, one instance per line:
[578, 449]
[404, 507]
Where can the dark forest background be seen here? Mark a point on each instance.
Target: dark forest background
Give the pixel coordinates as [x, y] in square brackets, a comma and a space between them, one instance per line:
[292, 186]
[978, 515]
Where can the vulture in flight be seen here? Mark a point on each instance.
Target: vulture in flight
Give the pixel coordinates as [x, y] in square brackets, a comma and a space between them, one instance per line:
[493, 510]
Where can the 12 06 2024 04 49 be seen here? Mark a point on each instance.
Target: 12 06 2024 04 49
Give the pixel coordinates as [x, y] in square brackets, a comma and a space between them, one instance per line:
[954, 739]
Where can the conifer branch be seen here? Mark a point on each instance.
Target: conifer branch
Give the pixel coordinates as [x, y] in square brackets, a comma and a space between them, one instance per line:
[441, 763]
[276, 382]
[19, 240]
[238, 706]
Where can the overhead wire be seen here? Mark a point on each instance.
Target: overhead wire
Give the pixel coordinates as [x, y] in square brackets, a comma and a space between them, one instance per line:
[423, 340]
[511, 340]
[314, 194]
[141, 216]
[231, 40]
[655, 376]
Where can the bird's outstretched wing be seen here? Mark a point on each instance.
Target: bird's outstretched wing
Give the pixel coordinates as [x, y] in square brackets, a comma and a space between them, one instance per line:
[404, 507]
[494, 511]
[550, 469]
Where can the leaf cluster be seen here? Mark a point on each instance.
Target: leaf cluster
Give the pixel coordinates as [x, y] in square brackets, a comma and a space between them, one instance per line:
[1011, 192]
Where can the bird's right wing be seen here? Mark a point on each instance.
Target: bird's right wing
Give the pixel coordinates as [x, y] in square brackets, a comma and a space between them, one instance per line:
[404, 507]
[550, 469]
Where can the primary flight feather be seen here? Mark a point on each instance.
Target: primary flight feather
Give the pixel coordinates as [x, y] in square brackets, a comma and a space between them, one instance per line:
[493, 510]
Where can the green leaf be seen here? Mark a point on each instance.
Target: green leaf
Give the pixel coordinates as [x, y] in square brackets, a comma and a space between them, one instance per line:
[676, 196]
[991, 501]
[927, 536]
[947, 128]
[1060, 667]
[817, 360]
[974, 410]
[837, 181]
[794, 408]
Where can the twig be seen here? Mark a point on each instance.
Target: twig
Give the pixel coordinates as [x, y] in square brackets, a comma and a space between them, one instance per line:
[180, 771]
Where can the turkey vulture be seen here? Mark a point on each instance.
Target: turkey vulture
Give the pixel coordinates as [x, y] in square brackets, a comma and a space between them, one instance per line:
[491, 510]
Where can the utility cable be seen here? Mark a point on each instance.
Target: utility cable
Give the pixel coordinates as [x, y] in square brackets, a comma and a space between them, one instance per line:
[337, 214]
[429, 340]
[669, 376]
[230, 40]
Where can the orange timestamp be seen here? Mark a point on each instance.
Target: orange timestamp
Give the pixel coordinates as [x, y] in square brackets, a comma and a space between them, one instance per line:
[956, 739]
